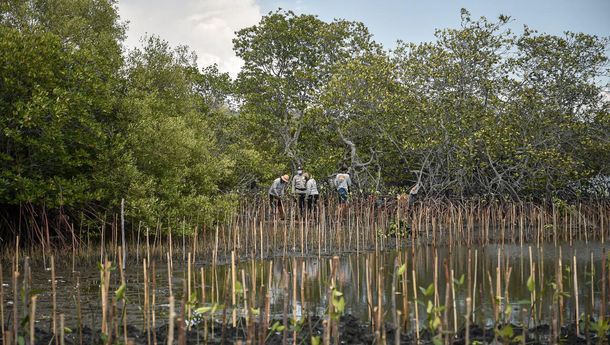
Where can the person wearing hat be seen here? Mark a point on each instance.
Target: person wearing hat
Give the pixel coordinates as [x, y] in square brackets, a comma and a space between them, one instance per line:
[299, 190]
[312, 193]
[276, 191]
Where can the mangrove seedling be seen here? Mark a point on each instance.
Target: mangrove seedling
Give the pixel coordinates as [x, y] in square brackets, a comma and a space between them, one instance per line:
[433, 314]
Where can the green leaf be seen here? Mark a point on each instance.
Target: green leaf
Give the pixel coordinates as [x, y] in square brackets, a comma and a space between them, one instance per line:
[25, 321]
[193, 299]
[34, 292]
[275, 326]
[203, 310]
[460, 281]
[436, 322]
[429, 292]
[402, 269]
[339, 305]
[508, 311]
[531, 285]
[429, 307]
[238, 288]
[505, 332]
[120, 292]
[316, 340]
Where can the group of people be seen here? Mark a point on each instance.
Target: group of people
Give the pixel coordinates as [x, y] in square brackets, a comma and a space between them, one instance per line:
[305, 189]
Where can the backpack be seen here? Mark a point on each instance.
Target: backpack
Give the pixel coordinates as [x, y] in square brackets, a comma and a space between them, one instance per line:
[299, 182]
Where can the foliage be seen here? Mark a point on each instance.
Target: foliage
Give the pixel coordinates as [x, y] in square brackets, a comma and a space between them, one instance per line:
[56, 99]
[433, 313]
[479, 112]
[288, 59]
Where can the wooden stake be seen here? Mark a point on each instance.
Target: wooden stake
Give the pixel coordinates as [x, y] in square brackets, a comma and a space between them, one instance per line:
[172, 315]
[415, 306]
[577, 316]
[32, 319]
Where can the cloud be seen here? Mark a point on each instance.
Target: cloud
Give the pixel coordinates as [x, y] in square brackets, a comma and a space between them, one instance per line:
[206, 26]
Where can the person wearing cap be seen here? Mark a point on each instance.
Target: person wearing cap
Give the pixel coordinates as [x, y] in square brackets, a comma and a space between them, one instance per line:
[311, 192]
[299, 190]
[276, 192]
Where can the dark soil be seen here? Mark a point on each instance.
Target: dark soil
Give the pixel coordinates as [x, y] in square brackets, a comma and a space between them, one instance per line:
[351, 331]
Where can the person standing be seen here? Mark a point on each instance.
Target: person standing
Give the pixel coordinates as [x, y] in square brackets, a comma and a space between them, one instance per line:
[343, 181]
[276, 192]
[312, 193]
[413, 194]
[299, 190]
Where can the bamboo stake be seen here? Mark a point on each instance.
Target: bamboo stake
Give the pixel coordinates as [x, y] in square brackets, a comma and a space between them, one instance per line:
[474, 286]
[153, 302]
[54, 296]
[268, 295]
[103, 284]
[467, 320]
[188, 288]
[16, 262]
[576, 294]
[4, 340]
[393, 297]
[79, 310]
[369, 294]
[15, 305]
[453, 301]
[294, 299]
[32, 319]
[62, 338]
[172, 315]
[444, 330]
[233, 293]
[147, 246]
[415, 306]
[124, 309]
[203, 301]
[169, 274]
[285, 309]
[123, 232]
[602, 310]
[146, 302]
[560, 286]
[397, 334]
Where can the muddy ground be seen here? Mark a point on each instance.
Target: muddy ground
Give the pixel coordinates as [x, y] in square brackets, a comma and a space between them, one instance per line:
[351, 331]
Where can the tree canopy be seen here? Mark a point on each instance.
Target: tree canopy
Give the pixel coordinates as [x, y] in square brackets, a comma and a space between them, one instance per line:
[480, 112]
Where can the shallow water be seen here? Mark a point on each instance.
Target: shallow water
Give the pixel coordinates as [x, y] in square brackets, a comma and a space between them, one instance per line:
[313, 278]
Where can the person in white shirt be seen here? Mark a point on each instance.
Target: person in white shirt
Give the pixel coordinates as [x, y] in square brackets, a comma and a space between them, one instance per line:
[342, 182]
[299, 190]
[312, 193]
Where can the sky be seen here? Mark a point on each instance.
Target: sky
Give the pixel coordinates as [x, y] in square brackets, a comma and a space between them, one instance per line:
[208, 26]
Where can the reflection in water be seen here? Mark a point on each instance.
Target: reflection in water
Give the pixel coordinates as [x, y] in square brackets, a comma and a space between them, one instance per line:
[354, 278]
